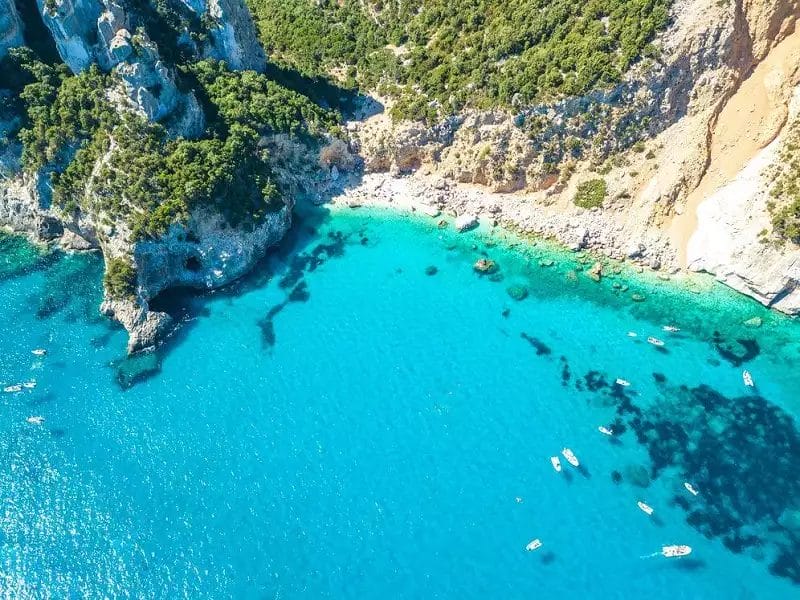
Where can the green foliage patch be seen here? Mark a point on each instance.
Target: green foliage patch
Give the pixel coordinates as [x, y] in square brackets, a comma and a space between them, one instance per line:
[591, 194]
[120, 278]
[784, 205]
[439, 56]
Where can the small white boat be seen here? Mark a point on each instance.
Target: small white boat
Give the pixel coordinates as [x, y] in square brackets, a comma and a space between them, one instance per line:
[570, 456]
[747, 378]
[35, 420]
[675, 551]
[648, 510]
[534, 545]
[10, 389]
[690, 488]
[39, 352]
[556, 463]
[670, 328]
[622, 382]
[29, 384]
[655, 341]
[632, 334]
[605, 430]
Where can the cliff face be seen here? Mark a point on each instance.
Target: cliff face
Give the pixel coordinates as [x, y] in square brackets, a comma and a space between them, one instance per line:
[10, 27]
[205, 252]
[654, 139]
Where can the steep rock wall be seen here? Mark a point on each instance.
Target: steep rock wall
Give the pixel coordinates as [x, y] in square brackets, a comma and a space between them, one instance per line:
[10, 27]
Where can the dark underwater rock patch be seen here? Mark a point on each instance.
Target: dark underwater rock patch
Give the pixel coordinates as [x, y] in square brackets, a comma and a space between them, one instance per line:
[736, 352]
[299, 293]
[541, 348]
[566, 373]
[137, 368]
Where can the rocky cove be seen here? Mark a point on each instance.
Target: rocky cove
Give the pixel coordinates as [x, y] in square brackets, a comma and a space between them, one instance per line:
[650, 139]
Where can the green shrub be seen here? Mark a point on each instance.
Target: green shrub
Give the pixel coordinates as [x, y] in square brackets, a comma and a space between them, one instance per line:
[591, 193]
[120, 278]
[477, 53]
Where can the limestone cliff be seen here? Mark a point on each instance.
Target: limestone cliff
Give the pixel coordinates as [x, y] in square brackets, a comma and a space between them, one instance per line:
[654, 139]
[204, 252]
[10, 27]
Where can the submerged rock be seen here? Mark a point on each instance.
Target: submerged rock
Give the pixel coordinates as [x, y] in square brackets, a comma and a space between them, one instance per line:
[596, 272]
[466, 222]
[517, 292]
[431, 270]
[637, 475]
[485, 265]
[755, 322]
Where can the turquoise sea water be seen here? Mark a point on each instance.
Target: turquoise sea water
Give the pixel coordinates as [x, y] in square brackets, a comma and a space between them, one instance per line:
[345, 424]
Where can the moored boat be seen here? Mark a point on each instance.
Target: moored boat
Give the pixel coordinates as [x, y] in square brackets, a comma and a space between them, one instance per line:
[556, 463]
[670, 328]
[655, 341]
[570, 456]
[676, 551]
[622, 382]
[35, 420]
[10, 389]
[648, 510]
[39, 352]
[605, 430]
[690, 488]
[747, 378]
[29, 384]
[534, 545]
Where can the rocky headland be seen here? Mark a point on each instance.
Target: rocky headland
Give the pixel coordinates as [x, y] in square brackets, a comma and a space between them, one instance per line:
[671, 167]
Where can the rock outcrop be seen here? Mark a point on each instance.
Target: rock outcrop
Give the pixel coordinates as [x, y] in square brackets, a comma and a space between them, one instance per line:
[204, 254]
[98, 32]
[650, 138]
[10, 27]
[73, 24]
[729, 240]
[233, 34]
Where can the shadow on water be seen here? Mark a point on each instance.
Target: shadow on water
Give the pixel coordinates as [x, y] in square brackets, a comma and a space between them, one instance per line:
[309, 243]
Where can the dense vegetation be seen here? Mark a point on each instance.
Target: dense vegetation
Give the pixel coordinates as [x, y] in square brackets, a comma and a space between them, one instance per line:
[785, 203]
[120, 278]
[591, 194]
[145, 178]
[438, 56]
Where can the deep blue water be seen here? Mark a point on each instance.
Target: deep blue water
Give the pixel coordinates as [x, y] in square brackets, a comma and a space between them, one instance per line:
[342, 424]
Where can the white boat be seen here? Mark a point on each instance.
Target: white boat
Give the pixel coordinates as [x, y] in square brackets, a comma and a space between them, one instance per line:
[29, 384]
[556, 463]
[10, 389]
[622, 382]
[655, 341]
[747, 378]
[534, 545]
[605, 430]
[570, 456]
[648, 510]
[670, 328]
[39, 352]
[632, 334]
[35, 420]
[690, 488]
[675, 551]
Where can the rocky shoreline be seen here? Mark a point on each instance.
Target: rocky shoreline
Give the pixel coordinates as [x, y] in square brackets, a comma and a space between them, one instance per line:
[609, 234]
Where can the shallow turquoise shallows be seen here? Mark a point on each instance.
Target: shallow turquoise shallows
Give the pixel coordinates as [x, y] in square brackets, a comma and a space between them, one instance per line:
[369, 417]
